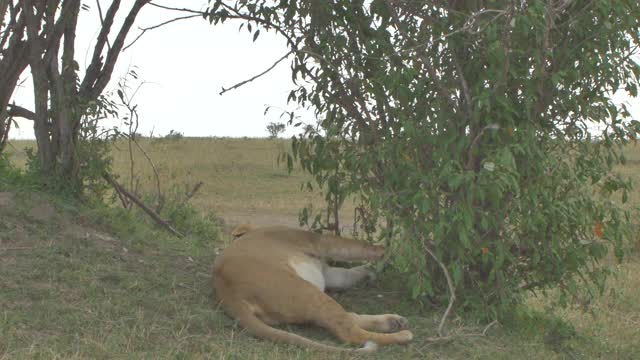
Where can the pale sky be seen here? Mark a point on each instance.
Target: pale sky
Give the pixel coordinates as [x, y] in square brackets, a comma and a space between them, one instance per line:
[185, 65]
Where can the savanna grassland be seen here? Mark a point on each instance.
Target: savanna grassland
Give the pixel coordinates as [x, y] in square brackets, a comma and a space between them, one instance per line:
[79, 281]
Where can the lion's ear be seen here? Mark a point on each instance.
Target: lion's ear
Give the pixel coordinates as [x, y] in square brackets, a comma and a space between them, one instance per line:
[241, 230]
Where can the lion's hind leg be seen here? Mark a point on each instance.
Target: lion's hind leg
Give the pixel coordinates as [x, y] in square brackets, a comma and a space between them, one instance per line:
[387, 323]
[332, 316]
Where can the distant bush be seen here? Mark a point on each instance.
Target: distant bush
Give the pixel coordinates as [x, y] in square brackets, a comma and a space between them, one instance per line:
[275, 129]
[173, 135]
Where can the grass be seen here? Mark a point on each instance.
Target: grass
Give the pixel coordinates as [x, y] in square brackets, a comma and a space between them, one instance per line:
[242, 178]
[80, 281]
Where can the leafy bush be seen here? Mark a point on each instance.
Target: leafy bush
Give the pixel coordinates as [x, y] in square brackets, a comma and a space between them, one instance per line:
[464, 129]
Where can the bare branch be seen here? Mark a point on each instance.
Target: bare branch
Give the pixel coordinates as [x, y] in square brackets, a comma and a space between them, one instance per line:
[102, 21]
[257, 76]
[467, 335]
[235, 14]
[144, 30]
[112, 56]
[452, 290]
[144, 207]
[193, 191]
[19, 111]
[263, 22]
[94, 67]
[201, 13]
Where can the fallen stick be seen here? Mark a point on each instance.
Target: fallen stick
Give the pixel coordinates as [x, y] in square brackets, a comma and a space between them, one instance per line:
[119, 188]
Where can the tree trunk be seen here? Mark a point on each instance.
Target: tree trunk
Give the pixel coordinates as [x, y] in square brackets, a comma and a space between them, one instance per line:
[68, 114]
[61, 100]
[40, 87]
[14, 61]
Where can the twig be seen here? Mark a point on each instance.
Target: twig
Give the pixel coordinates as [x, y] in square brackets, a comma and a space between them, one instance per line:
[452, 337]
[20, 248]
[193, 191]
[123, 199]
[201, 13]
[452, 290]
[474, 144]
[486, 328]
[144, 30]
[144, 207]
[102, 21]
[153, 167]
[257, 76]
[18, 111]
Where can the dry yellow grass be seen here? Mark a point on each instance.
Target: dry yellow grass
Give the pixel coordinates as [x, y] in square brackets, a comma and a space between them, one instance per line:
[243, 182]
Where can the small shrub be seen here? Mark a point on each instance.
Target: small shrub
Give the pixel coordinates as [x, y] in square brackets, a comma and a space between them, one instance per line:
[275, 129]
[173, 135]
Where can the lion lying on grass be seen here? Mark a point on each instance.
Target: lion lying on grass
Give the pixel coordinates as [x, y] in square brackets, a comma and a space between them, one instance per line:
[276, 275]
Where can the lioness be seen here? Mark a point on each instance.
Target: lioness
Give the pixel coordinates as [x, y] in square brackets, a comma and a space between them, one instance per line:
[276, 275]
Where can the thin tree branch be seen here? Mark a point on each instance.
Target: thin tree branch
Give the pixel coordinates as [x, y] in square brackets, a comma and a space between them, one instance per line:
[155, 171]
[123, 200]
[452, 290]
[193, 191]
[144, 30]
[257, 76]
[19, 111]
[452, 337]
[201, 13]
[102, 21]
[144, 207]
[235, 15]
[96, 63]
[112, 56]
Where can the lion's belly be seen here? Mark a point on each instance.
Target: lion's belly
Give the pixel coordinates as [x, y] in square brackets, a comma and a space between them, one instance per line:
[309, 269]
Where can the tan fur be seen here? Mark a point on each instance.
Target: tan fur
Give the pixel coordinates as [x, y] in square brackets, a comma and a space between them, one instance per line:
[277, 275]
